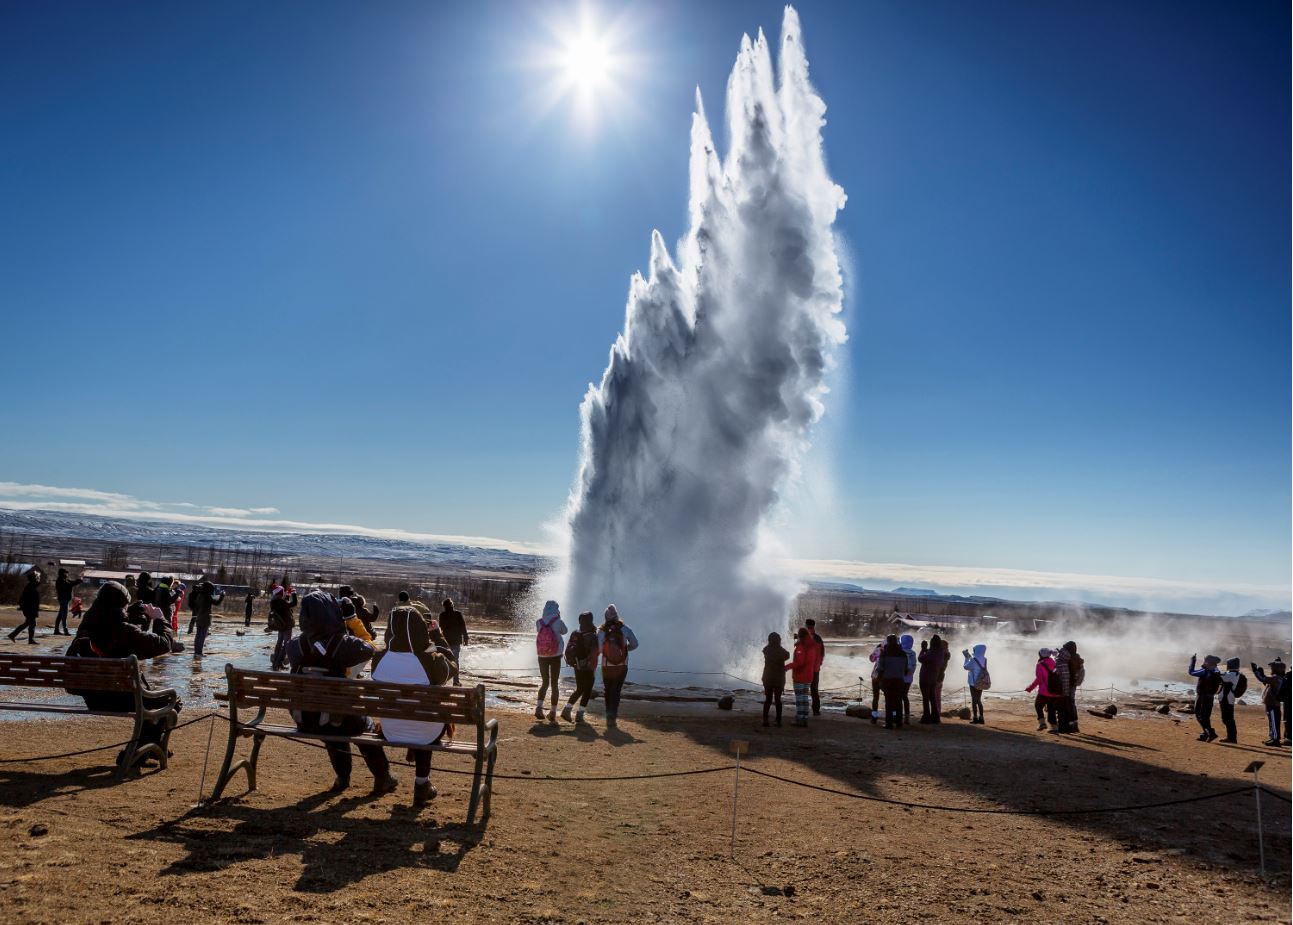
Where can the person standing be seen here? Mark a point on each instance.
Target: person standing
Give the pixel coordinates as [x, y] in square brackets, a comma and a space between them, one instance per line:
[204, 597]
[63, 588]
[145, 593]
[976, 667]
[817, 665]
[77, 604]
[893, 668]
[1234, 684]
[614, 641]
[454, 627]
[774, 675]
[875, 681]
[1047, 686]
[938, 683]
[801, 667]
[281, 604]
[550, 643]
[581, 654]
[1275, 695]
[1071, 669]
[248, 605]
[932, 660]
[908, 643]
[29, 606]
[1205, 690]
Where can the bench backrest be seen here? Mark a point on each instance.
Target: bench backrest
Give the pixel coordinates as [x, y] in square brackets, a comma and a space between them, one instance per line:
[347, 697]
[89, 674]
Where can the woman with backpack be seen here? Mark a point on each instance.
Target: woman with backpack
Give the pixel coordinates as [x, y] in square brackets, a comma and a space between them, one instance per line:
[581, 655]
[1071, 670]
[411, 658]
[774, 675]
[801, 668]
[893, 671]
[1234, 684]
[615, 642]
[1047, 685]
[549, 640]
[977, 679]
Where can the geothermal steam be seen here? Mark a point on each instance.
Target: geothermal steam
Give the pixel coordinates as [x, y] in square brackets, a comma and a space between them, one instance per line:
[711, 392]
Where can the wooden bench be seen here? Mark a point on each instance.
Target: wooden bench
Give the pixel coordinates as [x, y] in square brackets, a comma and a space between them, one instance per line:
[265, 690]
[106, 675]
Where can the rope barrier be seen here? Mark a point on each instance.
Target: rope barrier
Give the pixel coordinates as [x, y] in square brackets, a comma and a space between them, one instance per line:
[1278, 796]
[101, 748]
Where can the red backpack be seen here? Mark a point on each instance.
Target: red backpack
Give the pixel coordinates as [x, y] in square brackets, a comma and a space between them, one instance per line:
[615, 652]
[548, 642]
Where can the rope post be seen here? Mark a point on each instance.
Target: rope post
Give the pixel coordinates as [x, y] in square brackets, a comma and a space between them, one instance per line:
[202, 785]
[1253, 769]
[739, 748]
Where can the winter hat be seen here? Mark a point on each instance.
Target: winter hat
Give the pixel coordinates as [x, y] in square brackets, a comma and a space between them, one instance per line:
[347, 608]
[1211, 661]
[550, 610]
[1277, 666]
[774, 639]
[113, 596]
[611, 613]
[1043, 653]
[276, 591]
[1232, 664]
[321, 615]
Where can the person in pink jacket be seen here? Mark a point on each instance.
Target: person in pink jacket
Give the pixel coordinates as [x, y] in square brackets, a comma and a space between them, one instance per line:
[1047, 704]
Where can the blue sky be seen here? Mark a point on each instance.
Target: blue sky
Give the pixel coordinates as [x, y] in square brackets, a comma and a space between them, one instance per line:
[345, 261]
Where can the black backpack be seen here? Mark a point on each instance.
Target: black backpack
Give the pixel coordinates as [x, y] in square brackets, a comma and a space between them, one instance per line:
[1054, 683]
[1241, 686]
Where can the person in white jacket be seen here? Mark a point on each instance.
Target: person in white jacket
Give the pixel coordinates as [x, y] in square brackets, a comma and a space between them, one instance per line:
[976, 665]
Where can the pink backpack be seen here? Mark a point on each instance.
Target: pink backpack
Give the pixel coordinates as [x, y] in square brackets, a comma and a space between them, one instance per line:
[549, 644]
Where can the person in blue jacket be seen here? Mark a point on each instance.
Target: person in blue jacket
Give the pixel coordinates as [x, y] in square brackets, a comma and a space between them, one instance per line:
[1205, 692]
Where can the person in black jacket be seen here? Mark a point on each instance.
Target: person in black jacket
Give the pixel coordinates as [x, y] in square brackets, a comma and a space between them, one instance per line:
[248, 605]
[203, 598]
[1205, 692]
[144, 590]
[325, 649]
[282, 602]
[109, 630]
[63, 588]
[775, 657]
[893, 668]
[454, 628]
[29, 605]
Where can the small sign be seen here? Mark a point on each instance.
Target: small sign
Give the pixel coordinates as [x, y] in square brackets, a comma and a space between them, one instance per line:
[740, 746]
[1254, 767]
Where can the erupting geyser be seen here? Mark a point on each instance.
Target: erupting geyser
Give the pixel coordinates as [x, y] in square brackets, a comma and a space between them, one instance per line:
[713, 388]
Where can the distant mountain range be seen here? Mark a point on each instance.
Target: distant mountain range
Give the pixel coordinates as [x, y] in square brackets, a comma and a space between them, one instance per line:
[331, 545]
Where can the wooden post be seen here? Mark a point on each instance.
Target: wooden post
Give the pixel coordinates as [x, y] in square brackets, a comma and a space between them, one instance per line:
[1253, 768]
[739, 747]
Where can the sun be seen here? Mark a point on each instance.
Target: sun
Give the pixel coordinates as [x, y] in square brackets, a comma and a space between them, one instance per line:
[586, 65]
[587, 61]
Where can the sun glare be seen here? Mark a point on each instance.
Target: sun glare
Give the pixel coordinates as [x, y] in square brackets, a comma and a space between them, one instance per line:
[586, 66]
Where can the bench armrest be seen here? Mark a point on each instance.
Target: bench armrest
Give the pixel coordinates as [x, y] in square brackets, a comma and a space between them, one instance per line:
[165, 709]
[491, 726]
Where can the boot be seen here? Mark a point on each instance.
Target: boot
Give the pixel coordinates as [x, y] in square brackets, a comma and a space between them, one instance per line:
[565, 714]
[385, 786]
[538, 712]
[579, 717]
[552, 715]
[423, 793]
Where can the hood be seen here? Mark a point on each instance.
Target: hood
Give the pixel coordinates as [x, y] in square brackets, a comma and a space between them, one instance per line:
[1043, 653]
[906, 642]
[321, 615]
[979, 650]
[611, 614]
[406, 625]
[550, 610]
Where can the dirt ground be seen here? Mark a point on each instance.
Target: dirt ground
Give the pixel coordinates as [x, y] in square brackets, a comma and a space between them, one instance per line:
[76, 846]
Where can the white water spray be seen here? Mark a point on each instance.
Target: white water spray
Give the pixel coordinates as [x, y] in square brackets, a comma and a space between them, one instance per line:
[711, 392]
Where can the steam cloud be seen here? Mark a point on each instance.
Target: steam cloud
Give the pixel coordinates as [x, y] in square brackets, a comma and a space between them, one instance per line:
[712, 389]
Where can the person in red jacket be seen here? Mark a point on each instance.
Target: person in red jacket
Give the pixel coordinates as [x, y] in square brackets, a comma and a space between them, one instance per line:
[1047, 704]
[802, 665]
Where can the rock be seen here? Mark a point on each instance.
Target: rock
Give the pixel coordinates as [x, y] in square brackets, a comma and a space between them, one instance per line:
[858, 711]
[725, 702]
[963, 713]
[788, 889]
[1039, 896]
[38, 829]
[1111, 709]
[1165, 709]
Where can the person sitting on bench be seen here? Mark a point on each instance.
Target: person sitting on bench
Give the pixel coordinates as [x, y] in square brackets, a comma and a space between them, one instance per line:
[324, 649]
[411, 658]
[110, 630]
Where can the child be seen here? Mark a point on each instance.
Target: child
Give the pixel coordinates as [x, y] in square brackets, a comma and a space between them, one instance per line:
[801, 674]
[1204, 691]
[1233, 685]
[1275, 695]
[774, 675]
[76, 607]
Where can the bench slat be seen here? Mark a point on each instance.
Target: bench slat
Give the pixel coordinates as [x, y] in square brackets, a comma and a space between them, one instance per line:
[354, 697]
[97, 674]
[291, 732]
